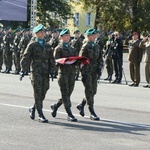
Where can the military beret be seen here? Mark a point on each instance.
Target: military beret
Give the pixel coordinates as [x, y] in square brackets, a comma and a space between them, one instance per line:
[27, 29]
[23, 30]
[91, 31]
[148, 35]
[64, 31]
[38, 28]
[77, 31]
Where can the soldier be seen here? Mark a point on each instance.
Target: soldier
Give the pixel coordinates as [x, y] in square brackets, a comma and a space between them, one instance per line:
[16, 51]
[76, 42]
[40, 56]
[145, 44]
[23, 44]
[66, 74]
[90, 72]
[48, 34]
[135, 58]
[1, 48]
[7, 53]
[108, 55]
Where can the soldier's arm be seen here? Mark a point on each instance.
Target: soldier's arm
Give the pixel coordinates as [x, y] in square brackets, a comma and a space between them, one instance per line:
[26, 57]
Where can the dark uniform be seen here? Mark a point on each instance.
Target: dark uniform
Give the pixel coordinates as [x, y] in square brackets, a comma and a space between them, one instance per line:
[66, 76]
[39, 54]
[90, 73]
[117, 57]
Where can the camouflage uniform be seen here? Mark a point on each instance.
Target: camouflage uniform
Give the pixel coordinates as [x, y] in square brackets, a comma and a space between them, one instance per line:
[1, 51]
[89, 71]
[41, 61]
[7, 53]
[66, 73]
[16, 53]
[77, 44]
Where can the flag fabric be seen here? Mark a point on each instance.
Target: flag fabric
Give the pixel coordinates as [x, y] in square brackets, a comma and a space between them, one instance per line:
[71, 60]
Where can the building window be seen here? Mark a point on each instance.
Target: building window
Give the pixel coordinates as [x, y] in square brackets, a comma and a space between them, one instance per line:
[88, 19]
[76, 19]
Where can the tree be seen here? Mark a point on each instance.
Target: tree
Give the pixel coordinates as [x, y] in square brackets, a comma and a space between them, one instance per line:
[121, 15]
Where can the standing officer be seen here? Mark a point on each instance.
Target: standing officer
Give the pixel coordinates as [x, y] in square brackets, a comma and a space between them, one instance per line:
[135, 58]
[7, 53]
[39, 54]
[16, 51]
[145, 44]
[66, 74]
[108, 55]
[1, 48]
[90, 72]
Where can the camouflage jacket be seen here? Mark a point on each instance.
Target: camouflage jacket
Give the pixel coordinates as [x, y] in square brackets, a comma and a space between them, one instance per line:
[94, 54]
[62, 51]
[39, 57]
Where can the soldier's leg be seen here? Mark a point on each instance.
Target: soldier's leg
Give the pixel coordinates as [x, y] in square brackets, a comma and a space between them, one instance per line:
[65, 93]
[37, 82]
[90, 85]
[137, 74]
[132, 72]
[1, 59]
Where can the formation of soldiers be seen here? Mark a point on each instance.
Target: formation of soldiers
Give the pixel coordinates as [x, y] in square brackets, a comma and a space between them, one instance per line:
[41, 50]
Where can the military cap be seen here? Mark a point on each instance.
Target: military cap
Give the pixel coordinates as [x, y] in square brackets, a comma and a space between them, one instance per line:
[55, 30]
[23, 30]
[110, 33]
[77, 31]
[17, 30]
[38, 28]
[64, 31]
[91, 31]
[7, 28]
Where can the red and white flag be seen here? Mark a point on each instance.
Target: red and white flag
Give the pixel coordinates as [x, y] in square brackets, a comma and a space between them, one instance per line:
[71, 60]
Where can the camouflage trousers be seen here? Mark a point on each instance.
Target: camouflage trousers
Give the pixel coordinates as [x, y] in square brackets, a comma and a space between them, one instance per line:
[7, 57]
[40, 83]
[90, 84]
[16, 58]
[66, 83]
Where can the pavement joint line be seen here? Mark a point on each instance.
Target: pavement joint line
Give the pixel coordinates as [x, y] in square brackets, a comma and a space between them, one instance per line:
[102, 119]
[15, 4]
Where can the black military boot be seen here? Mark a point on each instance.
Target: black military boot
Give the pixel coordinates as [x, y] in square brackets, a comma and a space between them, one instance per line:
[32, 112]
[41, 116]
[70, 115]
[93, 115]
[80, 107]
[55, 107]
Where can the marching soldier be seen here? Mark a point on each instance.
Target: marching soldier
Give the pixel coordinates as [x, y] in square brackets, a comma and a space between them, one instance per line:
[90, 72]
[66, 75]
[40, 57]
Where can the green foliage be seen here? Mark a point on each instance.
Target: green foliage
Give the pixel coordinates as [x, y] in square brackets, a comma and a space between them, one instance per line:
[121, 15]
